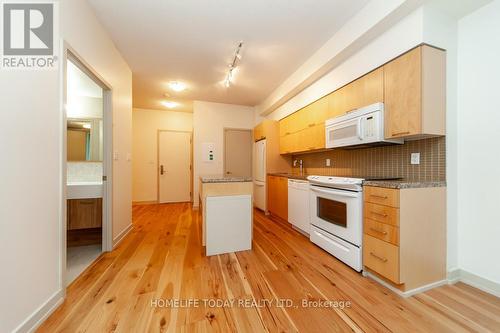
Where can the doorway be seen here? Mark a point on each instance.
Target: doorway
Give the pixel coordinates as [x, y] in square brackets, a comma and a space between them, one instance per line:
[174, 166]
[86, 206]
[238, 145]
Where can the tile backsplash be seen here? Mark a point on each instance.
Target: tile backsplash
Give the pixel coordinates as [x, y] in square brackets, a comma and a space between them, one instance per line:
[382, 162]
[84, 172]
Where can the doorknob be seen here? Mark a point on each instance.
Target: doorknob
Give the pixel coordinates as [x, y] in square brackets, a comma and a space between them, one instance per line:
[162, 170]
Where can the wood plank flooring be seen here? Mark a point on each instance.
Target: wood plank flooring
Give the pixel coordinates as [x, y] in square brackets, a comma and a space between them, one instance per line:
[162, 259]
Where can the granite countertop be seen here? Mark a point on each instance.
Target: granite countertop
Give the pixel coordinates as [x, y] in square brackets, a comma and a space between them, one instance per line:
[387, 183]
[403, 183]
[224, 179]
[288, 175]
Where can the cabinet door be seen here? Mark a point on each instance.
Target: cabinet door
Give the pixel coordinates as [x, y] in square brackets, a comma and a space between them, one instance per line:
[284, 126]
[282, 198]
[402, 95]
[364, 91]
[84, 213]
[258, 132]
[316, 113]
[288, 143]
[312, 138]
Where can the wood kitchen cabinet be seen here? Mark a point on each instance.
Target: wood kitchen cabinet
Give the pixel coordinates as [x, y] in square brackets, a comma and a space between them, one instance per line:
[404, 235]
[415, 93]
[277, 196]
[304, 130]
[84, 213]
[364, 91]
[258, 132]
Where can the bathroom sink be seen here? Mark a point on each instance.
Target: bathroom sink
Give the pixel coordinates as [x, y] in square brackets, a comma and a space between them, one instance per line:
[84, 190]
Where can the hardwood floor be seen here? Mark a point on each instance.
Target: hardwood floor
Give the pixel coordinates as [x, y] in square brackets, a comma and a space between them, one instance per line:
[126, 290]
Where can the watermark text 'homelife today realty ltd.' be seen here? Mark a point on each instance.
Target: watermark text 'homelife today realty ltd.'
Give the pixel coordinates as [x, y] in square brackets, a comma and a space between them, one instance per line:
[29, 35]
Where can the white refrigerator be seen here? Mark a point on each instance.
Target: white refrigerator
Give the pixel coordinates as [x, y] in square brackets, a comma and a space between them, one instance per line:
[259, 182]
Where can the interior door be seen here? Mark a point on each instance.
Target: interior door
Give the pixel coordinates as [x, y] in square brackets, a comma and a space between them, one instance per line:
[238, 145]
[174, 152]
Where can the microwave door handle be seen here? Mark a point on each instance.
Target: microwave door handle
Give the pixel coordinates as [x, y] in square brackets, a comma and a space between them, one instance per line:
[360, 129]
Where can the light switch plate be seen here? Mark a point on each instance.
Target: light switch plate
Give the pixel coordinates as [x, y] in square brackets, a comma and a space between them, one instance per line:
[328, 162]
[415, 158]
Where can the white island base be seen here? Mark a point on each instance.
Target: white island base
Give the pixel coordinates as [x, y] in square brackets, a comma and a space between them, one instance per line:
[228, 224]
[226, 207]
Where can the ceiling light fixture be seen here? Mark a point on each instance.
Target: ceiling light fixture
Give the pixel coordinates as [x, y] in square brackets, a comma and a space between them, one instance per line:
[169, 104]
[177, 86]
[230, 73]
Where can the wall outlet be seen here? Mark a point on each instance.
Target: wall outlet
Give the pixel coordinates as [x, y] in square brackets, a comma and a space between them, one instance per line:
[415, 158]
[327, 162]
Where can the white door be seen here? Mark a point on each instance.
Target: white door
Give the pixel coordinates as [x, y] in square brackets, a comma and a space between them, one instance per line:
[174, 166]
[238, 146]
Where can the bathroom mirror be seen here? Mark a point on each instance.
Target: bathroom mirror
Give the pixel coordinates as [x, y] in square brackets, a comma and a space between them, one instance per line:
[84, 140]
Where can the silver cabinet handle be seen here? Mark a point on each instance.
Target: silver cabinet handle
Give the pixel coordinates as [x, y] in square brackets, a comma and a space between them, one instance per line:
[379, 231]
[378, 257]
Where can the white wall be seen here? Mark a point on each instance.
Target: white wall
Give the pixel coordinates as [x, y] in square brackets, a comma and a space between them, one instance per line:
[145, 125]
[209, 121]
[478, 150]
[31, 147]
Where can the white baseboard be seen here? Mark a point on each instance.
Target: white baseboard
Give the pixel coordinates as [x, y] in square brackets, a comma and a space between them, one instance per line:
[407, 293]
[42, 313]
[476, 281]
[122, 235]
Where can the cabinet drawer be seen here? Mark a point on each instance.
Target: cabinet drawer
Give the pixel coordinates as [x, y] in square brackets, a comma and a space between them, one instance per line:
[381, 213]
[381, 257]
[382, 196]
[382, 231]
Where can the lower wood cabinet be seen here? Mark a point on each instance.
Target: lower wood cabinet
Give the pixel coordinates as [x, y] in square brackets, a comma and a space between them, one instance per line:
[84, 213]
[404, 235]
[277, 196]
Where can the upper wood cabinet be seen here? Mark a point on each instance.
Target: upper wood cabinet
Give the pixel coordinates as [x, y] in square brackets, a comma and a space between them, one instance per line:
[258, 132]
[412, 87]
[415, 93]
[305, 129]
[364, 91]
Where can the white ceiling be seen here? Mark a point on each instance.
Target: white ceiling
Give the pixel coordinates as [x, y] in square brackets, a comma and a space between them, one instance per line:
[193, 41]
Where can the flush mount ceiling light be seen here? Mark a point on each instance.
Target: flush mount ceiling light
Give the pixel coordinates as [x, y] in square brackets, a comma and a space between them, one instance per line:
[232, 66]
[169, 104]
[177, 86]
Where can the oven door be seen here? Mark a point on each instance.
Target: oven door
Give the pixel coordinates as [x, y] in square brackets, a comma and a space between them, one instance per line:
[338, 212]
[346, 133]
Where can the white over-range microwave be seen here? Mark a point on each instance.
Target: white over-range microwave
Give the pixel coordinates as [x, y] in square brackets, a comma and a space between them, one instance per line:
[363, 126]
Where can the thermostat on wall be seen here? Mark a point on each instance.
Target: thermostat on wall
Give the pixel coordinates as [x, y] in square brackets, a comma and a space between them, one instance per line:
[207, 150]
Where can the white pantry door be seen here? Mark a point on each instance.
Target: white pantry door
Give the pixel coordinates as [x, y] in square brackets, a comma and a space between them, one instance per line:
[174, 155]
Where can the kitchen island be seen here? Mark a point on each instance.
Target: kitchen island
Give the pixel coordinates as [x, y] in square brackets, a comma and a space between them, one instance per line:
[227, 214]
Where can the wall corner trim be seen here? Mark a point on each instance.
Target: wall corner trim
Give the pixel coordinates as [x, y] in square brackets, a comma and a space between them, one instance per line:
[122, 235]
[42, 313]
[476, 281]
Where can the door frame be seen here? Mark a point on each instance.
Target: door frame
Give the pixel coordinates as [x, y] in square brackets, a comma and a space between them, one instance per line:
[224, 145]
[159, 131]
[68, 53]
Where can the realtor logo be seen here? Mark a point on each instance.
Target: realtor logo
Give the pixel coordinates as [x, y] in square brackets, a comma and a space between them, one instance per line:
[29, 37]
